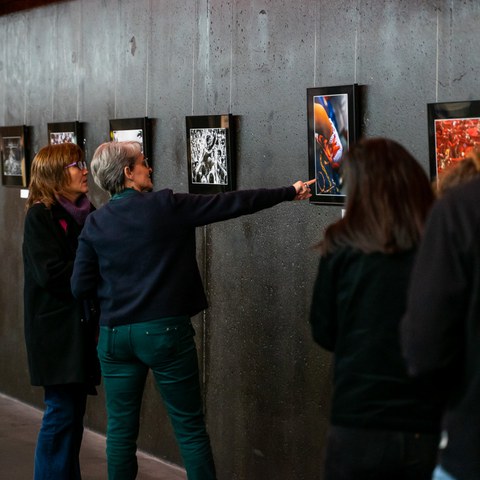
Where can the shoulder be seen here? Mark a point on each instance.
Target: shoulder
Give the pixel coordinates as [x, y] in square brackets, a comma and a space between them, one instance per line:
[38, 209]
[457, 213]
[348, 258]
[38, 212]
[464, 197]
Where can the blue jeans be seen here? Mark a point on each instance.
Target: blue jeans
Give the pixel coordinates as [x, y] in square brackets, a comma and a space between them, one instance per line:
[58, 445]
[440, 474]
[363, 454]
[126, 354]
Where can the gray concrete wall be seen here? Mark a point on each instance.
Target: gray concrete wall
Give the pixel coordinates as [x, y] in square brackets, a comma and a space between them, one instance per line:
[267, 386]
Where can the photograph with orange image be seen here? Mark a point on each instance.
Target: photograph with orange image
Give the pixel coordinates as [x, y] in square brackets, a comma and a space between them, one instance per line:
[332, 129]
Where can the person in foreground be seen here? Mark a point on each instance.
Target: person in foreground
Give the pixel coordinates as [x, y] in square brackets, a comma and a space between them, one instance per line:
[441, 329]
[138, 254]
[380, 427]
[59, 334]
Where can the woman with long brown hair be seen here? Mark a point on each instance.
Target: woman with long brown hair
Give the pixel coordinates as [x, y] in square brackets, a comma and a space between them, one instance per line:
[381, 428]
[59, 330]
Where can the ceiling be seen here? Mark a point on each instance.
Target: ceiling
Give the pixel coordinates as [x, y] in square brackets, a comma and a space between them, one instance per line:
[10, 6]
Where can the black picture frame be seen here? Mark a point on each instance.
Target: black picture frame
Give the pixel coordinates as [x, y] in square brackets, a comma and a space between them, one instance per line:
[133, 129]
[66, 132]
[333, 125]
[210, 153]
[453, 129]
[15, 164]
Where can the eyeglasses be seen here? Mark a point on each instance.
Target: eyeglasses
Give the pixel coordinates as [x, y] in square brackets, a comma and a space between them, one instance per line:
[81, 165]
[144, 162]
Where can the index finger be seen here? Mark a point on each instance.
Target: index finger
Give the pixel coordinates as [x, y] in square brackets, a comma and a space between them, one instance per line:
[309, 182]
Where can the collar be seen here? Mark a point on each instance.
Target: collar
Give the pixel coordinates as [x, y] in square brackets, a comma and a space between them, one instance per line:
[128, 192]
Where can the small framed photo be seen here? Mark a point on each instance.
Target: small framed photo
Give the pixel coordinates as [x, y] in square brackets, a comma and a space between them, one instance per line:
[210, 153]
[65, 132]
[333, 125]
[14, 156]
[133, 129]
[453, 131]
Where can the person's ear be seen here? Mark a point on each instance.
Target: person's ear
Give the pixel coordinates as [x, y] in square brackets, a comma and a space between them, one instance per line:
[127, 172]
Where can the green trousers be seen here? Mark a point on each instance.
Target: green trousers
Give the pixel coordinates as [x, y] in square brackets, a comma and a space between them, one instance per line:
[165, 346]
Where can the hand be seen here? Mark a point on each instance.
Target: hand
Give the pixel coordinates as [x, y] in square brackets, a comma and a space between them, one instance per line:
[303, 189]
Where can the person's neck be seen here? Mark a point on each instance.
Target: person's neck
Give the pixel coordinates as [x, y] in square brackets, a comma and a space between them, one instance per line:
[71, 197]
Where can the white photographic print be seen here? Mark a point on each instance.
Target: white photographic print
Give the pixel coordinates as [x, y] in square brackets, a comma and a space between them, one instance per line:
[135, 135]
[57, 138]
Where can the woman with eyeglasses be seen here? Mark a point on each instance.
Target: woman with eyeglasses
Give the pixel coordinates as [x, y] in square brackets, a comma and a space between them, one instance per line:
[60, 331]
[138, 254]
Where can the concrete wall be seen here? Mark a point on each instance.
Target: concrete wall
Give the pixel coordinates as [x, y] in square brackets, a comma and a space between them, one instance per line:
[267, 386]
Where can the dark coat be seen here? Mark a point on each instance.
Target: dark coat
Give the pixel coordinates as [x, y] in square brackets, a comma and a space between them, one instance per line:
[358, 302]
[138, 252]
[59, 332]
[441, 330]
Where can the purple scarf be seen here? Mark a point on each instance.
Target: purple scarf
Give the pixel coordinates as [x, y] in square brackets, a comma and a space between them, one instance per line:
[78, 210]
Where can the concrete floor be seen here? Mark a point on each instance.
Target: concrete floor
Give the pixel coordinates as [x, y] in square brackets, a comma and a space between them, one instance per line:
[19, 425]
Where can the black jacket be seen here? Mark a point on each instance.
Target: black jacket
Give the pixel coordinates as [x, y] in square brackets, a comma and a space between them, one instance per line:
[59, 332]
[357, 305]
[441, 330]
[138, 251]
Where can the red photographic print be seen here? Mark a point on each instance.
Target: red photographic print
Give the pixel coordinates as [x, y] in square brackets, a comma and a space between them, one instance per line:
[454, 139]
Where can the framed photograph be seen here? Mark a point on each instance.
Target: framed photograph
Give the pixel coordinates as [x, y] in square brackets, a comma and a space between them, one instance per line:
[453, 131]
[210, 153]
[133, 129]
[333, 125]
[65, 132]
[14, 156]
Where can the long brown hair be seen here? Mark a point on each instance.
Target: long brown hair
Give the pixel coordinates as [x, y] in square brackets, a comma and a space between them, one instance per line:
[48, 176]
[388, 199]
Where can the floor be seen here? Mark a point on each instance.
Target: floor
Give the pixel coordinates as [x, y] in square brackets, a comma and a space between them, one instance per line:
[19, 425]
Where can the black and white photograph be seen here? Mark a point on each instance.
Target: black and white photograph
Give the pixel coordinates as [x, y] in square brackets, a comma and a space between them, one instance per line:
[12, 165]
[132, 130]
[13, 160]
[209, 153]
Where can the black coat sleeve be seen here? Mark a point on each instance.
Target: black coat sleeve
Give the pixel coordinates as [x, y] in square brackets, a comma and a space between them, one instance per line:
[431, 331]
[199, 210]
[49, 259]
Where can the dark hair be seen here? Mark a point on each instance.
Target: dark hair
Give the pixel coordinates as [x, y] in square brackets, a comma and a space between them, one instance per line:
[388, 199]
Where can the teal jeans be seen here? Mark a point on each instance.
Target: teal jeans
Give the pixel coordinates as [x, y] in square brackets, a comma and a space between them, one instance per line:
[127, 353]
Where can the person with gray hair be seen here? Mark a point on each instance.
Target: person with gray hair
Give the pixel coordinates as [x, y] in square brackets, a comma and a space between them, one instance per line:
[137, 253]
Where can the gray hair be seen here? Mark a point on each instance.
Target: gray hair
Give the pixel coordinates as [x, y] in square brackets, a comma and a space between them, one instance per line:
[109, 162]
